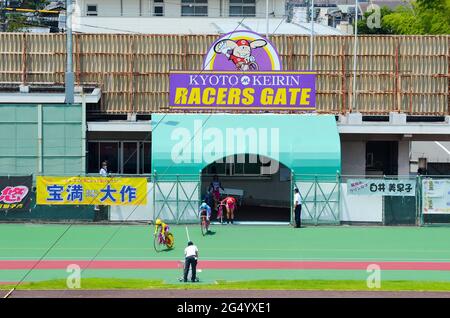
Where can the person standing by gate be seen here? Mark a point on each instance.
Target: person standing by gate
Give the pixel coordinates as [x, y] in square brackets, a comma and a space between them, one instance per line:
[191, 257]
[103, 173]
[297, 208]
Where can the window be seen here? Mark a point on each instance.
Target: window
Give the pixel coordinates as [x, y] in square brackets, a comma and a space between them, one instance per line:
[158, 8]
[197, 8]
[129, 157]
[124, 157]
[237, 165]
[242, 8]
[109, 151]
[91, 10]
[145, 151]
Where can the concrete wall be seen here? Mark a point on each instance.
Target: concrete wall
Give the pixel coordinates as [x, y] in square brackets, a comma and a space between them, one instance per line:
[114, 8]
[41, 139]
[360, 208]
[132, 7]
[134, 213]
[353, 155]
[403, 157]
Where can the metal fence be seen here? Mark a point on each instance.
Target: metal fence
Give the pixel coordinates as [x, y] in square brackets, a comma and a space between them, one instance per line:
[320, 198]
[326, 200]
[176, 198]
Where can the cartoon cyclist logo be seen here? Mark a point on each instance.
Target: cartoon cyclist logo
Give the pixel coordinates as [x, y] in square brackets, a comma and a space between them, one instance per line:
[242, 51]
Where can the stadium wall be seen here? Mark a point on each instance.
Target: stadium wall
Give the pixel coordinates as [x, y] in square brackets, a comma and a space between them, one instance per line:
[42, 139]
[408, 74]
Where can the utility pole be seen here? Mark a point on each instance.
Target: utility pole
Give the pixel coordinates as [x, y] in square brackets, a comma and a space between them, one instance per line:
[267, 19]
[69, 78]
[3, 6]
[355, 50]
[311, 39]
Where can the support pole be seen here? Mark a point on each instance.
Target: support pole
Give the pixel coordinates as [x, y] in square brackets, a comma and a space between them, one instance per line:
[311, 38]
[83, 133]
[267, 19]
[291, 199]
[355, 49]
[39, 134]
[69, 78]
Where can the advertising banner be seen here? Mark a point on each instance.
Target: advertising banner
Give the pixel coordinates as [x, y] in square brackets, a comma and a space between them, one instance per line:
[381, 187]
[269, 90]
[242, 71]
[91, 191]
[15, 193]
[436, 196]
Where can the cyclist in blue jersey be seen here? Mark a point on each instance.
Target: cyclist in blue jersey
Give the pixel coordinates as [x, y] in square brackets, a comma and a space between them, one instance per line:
[205, 210]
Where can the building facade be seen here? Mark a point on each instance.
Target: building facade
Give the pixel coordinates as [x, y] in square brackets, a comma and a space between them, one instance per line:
[122, 81]
[179, 8]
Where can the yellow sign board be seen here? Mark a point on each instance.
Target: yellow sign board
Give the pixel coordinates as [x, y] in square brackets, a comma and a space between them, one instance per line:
[91, 191]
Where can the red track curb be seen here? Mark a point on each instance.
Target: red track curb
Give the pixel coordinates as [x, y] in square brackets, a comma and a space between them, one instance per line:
[282, 265]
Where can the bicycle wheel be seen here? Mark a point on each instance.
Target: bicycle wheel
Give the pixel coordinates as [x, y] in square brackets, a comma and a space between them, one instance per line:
[170, 240]
[253, 66]
[220, 214]
[158, 247]
[203, 225]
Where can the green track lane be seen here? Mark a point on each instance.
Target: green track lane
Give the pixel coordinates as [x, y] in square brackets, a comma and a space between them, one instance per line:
[229, 242]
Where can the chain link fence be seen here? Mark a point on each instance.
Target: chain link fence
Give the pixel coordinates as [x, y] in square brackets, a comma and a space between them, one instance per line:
[326, 200]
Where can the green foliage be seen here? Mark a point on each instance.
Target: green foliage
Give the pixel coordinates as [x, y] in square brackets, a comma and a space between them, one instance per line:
[114, 283]
[364, 26]
[422, 17]
[16, 22]
[34, 4]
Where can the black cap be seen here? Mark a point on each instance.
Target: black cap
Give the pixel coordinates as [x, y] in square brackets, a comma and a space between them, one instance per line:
[190, 243]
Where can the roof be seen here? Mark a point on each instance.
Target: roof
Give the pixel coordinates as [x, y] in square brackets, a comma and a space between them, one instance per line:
[55, 5]
[391, 4]
[434, 151]
[11, 93]
[152, 25]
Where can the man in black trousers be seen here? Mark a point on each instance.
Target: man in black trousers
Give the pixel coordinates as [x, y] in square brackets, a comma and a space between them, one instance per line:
[297, 208]
[191, 257]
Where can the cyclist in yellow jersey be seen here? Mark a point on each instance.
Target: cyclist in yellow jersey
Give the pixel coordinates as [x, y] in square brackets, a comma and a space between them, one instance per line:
[160, 224]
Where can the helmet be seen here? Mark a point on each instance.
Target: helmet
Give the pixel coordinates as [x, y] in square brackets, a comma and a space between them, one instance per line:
[158, 222]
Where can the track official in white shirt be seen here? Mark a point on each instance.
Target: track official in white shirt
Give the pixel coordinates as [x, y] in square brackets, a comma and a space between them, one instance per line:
[191, 257]
[297, 207]
[103, 173]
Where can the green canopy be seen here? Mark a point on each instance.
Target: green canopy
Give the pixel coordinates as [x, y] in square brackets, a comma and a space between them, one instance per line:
[183, 144]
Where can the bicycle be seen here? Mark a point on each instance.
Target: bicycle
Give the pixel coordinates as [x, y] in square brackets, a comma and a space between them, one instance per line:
[204, 223]
[220, 212]
[160, 241]
[247, 66]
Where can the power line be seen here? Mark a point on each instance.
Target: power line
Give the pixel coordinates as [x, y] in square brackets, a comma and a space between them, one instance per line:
[131, 213]
[153, 185]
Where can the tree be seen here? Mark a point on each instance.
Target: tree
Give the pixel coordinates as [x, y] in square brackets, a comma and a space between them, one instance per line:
[34, 4]
[16, 22]
[422, 17]
[365, 26]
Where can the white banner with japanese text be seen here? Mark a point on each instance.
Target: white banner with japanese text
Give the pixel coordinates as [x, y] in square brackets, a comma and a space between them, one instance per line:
[383, 187]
